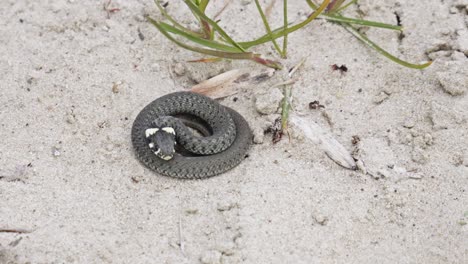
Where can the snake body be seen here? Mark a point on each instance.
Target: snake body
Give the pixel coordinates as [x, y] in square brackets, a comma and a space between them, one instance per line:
[224, 144]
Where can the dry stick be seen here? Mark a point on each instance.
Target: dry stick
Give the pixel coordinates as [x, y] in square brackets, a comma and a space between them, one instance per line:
[109, 10]
[295, 68]
[15, 230]
[181, 242]
[222, 10]
[269, 8]
[287, 82]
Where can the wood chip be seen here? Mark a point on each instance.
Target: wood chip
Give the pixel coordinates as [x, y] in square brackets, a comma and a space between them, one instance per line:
[325, 140]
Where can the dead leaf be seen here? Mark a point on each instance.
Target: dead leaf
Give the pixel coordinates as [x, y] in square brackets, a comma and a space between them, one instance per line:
[230, 82]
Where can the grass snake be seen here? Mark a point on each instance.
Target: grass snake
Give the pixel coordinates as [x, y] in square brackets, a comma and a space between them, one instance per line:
[164, 140]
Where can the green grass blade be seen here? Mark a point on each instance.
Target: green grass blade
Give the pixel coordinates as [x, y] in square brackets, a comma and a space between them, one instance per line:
[348, 20]
[334, 5]
[311, 4]
[374, 46]
[199, 40]
[267, 26]
[222, 54]
[280, 32]
[203, 4]
[371, 44]
[173, 21]
[346, 6]
[215, 25]
[285, 20]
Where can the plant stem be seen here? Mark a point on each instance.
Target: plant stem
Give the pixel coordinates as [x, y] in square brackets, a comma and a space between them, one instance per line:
[199, 40]
[286, 106]
[174, 22]
[279, 32]
[203, 4]
[346, 6]
[348, 20]
[371, 44]
[223, 54]
[267, 26]
[215, 25]
[285, 38]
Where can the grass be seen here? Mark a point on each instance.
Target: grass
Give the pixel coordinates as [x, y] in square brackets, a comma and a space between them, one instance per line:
[211, 39]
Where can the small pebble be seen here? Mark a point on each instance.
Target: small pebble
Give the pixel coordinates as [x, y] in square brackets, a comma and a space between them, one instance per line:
[259, 135]
[321, 219]
[428, 139]
[226, 206]
[70, 119]
[115, 87]
[179, 69]
[192, 211]
[380, 98]
[56, 152]
[415, 176]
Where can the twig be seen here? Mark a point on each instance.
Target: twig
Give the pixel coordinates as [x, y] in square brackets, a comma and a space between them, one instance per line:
[222, 10]
[294, 69]
[269, 8]
[181, 241]
[109, 10]
[15, 230]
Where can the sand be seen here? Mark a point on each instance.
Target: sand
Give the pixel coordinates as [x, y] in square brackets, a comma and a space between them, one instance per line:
[73, 78]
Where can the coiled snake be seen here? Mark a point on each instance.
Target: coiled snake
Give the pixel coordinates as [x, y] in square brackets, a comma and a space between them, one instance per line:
[163, 141]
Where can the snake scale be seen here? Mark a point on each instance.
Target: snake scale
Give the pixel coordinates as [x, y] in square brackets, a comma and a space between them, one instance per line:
[163, 141]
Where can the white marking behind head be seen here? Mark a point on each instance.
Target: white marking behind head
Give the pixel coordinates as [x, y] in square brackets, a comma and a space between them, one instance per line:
[151, 145]
[151, 131]
[168, 130]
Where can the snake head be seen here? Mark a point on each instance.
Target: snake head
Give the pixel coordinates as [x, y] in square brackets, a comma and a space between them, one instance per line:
[162, 141]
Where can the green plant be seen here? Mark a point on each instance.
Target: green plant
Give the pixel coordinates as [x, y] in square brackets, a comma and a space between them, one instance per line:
[212, 40]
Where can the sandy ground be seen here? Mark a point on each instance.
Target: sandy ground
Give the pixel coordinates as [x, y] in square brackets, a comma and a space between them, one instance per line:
[73, 79]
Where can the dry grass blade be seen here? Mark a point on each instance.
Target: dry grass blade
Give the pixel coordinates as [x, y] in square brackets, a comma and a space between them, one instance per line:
[230, 82]
[215, 17]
